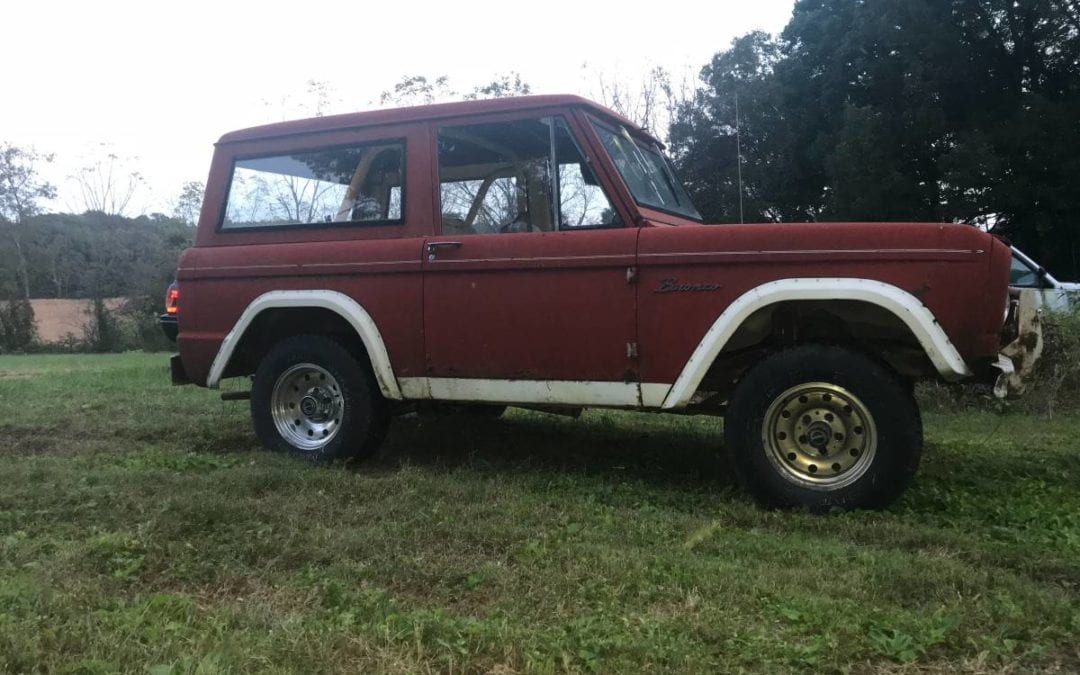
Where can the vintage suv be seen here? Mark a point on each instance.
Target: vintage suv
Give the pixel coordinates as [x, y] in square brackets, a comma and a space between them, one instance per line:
[540, 252]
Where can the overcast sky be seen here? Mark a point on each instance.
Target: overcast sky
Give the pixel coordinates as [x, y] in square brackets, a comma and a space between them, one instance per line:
[160, 82]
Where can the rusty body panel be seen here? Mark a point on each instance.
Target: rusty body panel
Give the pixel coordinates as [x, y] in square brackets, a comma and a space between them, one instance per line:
[926, 260]
[383, 275]
[622, 304]
[534, 306]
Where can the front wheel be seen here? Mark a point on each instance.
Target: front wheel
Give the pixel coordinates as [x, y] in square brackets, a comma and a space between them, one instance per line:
[819, 427]
[311, 397]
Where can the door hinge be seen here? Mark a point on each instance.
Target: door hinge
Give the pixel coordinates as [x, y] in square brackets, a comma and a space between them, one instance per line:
[631, 275]
[631, 350]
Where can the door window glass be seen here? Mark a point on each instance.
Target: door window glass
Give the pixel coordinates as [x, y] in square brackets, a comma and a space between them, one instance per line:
[520, 176]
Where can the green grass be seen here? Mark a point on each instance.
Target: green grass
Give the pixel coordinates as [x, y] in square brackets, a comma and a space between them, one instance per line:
[142, 530]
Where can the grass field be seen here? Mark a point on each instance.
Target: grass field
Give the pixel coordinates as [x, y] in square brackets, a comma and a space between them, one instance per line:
[142, 530]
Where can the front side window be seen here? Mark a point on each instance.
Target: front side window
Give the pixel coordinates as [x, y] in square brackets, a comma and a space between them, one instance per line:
[647, 173]
[357, 184]
[519, 176]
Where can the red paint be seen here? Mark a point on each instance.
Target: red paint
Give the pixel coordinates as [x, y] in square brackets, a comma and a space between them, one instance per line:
[551, 305]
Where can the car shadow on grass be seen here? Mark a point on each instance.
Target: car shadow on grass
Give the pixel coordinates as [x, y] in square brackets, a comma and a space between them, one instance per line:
[637, 447]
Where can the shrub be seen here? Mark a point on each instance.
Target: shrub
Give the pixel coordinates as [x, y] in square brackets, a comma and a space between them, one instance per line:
[1052, 387]
[102, 334]
[140, 316]
[1054, 384]
[17, 333]
[132, 325]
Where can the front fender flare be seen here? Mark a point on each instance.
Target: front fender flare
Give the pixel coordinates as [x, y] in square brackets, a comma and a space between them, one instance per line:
[905, 306]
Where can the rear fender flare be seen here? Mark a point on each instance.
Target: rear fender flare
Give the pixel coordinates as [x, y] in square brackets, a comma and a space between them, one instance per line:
[339, 303]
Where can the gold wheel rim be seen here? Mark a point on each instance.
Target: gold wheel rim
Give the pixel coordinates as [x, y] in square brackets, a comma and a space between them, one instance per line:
[819, 435]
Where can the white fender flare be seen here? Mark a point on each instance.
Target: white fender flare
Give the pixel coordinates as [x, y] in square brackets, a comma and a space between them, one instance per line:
[340, 304]
[905, 306]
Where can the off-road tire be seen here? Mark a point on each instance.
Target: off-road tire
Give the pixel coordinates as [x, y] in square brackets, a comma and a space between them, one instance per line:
[364, 413]
[775, 388]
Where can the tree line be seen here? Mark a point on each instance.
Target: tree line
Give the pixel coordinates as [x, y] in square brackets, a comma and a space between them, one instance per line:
[895, 110]
[93, 255]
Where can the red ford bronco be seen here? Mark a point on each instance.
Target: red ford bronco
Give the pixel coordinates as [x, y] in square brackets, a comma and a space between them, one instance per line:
[541, 252]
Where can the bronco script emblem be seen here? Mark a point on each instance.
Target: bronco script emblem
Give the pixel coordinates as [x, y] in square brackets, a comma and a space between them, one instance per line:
[673, 285]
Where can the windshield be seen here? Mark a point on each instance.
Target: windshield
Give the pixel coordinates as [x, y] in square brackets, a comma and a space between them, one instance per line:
[647, 173]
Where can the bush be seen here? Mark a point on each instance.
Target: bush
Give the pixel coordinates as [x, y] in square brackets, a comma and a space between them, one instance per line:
[1053, 386]
[133, 325]
[17, 333]
[140, 315]
[128, 327]
[102, 331]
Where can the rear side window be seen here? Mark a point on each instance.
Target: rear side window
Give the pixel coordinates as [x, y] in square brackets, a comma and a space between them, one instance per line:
[353, 184]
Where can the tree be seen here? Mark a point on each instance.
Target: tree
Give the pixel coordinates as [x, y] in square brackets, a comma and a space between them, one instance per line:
[188, 204]
[92, 254]
[16, 325]
[107, 185]
[501, 87]
[649, 102]
[961, 110]
[21, 194]
[315, 99]
[708, 139]
[322, 93]
[419, 90]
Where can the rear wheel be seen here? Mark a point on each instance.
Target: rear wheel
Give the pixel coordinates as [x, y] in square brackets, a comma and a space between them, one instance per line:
[820, 427]
[311, 397]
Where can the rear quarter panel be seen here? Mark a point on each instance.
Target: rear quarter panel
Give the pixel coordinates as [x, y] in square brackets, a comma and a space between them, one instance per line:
[376, 265]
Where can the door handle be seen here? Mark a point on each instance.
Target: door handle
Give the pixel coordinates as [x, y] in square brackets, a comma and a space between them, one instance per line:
[434, 246]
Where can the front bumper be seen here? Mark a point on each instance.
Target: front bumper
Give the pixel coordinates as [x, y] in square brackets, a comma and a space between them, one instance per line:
[1022, 336]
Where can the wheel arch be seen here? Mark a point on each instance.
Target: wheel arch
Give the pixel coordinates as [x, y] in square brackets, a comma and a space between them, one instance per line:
[348, 315]
[908, 310]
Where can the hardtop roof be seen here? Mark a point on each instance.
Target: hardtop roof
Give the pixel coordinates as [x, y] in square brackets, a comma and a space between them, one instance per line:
[422, 113]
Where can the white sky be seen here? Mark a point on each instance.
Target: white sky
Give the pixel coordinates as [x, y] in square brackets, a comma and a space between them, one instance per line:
[160, 82]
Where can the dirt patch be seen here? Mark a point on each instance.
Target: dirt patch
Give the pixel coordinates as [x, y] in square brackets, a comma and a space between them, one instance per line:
[55, 319]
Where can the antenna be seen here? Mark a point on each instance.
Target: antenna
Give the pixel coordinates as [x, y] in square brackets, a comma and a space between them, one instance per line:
[738, 155]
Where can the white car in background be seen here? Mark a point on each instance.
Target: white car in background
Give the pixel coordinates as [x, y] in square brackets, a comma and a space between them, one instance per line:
[1060, 296]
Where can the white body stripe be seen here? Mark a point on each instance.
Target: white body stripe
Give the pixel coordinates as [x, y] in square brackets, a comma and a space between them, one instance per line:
[338, 303]
[537, 392]
[904, 305]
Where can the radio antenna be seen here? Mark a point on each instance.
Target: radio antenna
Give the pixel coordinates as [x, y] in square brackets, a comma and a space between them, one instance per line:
[738, 155]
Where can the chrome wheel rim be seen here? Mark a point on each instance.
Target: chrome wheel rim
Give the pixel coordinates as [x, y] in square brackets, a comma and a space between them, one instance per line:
[819, 435]
[306, 406]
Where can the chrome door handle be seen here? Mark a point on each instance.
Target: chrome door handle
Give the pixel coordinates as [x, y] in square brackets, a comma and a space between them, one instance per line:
[434, 246]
